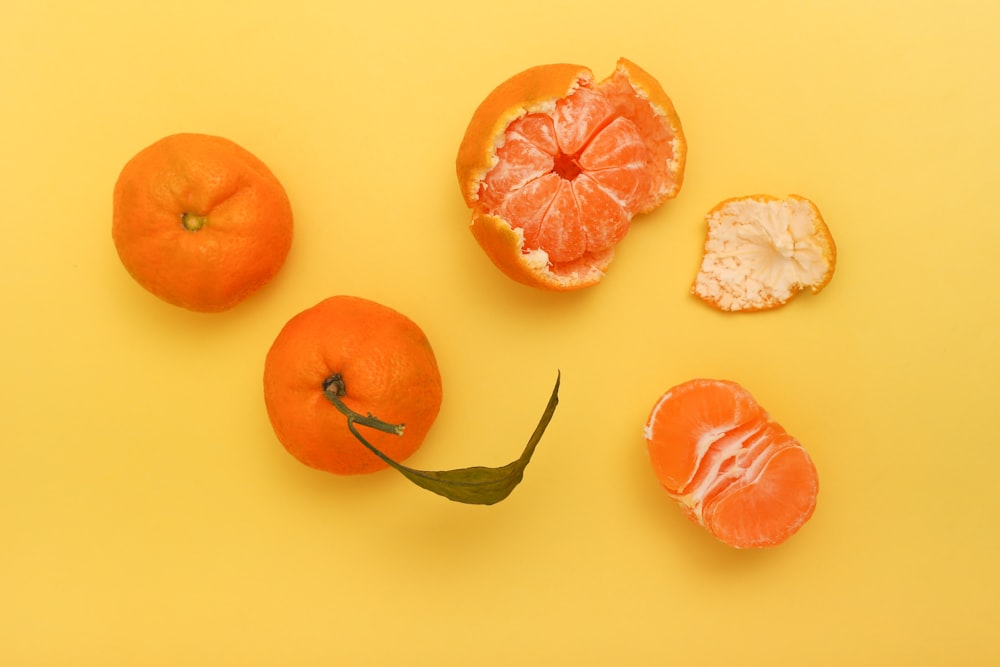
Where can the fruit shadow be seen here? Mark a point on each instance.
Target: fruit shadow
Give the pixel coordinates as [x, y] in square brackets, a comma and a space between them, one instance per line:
[390, 509]
[686, 542]
[483, 282]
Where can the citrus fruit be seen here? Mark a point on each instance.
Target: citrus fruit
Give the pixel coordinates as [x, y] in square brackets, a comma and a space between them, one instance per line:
[379, 363]
[733, 469]
[555, 164]
[760, 251]
[200, 222]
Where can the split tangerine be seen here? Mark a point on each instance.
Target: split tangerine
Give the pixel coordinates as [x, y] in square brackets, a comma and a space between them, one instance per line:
[555, 165]
[731, 468]
[200, 221]
[379, 363]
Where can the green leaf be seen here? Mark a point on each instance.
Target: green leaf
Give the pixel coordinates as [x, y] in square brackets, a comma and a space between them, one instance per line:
[477, 485]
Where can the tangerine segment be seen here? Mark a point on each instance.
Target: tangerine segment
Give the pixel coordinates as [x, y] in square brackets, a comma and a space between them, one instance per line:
[565, 162]
[690, 419]
[761, 251]
[200, 222]
[387, 369]
[731, 468]
[769, 510]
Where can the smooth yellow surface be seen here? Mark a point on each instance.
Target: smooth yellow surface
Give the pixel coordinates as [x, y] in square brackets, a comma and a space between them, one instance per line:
[149, 516]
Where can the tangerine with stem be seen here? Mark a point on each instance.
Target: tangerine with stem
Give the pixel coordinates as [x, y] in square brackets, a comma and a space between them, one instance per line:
[354, 359]
[377, 361]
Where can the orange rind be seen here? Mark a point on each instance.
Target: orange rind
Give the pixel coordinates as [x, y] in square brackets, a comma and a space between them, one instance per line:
[760, 251]
[554, 166]
[732, 469]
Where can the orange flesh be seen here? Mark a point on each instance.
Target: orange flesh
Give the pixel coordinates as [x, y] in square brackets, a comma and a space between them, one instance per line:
[731, 467]
[689, 419]
[572, 178]
[772, 507]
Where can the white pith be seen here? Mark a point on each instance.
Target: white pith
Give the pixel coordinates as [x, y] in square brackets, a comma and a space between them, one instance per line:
[760, 252]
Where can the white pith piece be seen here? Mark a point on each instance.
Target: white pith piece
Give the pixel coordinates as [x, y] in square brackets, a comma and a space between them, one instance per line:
[759, 253]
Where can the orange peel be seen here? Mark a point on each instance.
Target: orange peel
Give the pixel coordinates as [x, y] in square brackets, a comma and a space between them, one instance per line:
[761, 250]
[555, 164]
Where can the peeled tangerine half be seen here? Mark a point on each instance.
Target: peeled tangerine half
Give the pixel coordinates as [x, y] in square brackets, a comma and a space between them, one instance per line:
[733, 469]
[761, 251]
[555, 164]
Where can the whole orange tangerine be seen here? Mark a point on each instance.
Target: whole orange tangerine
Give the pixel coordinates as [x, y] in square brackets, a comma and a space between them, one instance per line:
[731, 468]
[200, 221]
[555, 165]
[377, 360]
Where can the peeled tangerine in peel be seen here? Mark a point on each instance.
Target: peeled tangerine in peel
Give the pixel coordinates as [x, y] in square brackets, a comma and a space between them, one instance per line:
[761, 251]
[554, 165]
[731, 468]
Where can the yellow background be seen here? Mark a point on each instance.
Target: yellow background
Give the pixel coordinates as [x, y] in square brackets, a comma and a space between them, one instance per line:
[148, 516]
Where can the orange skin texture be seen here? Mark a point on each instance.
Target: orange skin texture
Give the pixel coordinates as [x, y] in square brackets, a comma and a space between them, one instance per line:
[526, 91]
[247, 230]
[533, 90]
[388, 369]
